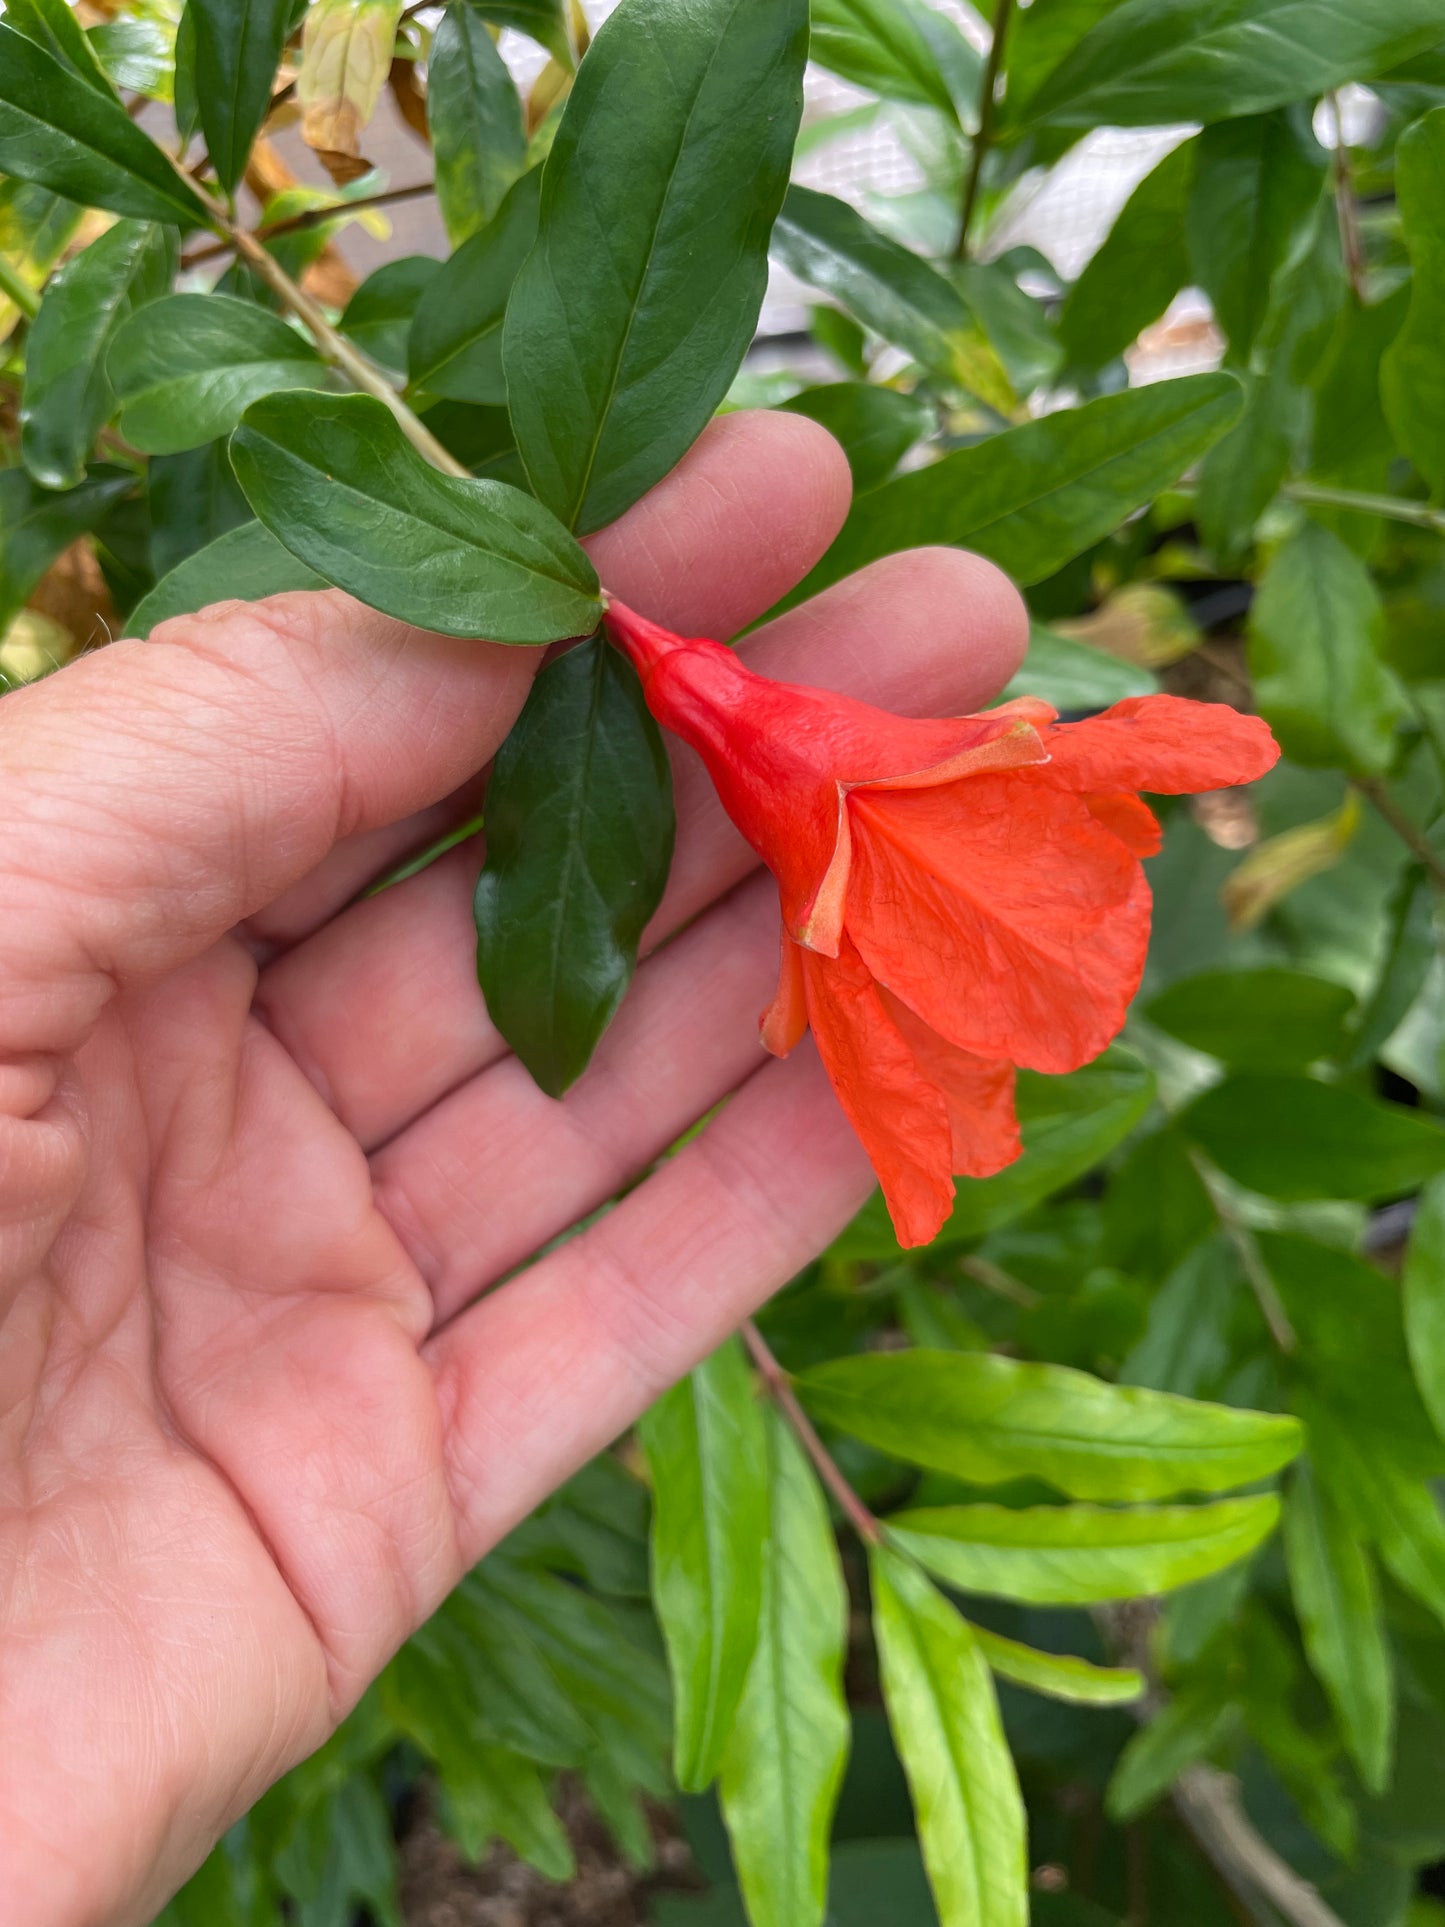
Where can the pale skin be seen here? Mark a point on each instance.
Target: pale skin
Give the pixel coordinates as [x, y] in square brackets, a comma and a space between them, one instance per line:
[262, 1157]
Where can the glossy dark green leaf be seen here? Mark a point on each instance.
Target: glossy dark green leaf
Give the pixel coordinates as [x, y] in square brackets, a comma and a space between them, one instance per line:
[542, 20]
[1079, 1555]
[1256, 182]
[875, 427]
[334, 478]
[455, 345]
[785, 1757]
[1075, 675]
[137, 53]
[1034, 497]
[52, 24]
[193, 497]
[247, 563]
[1411, 947]
[57, 128]
[579, 838]
[184, 104]
[238, 49]
[1058, 1676]
[1138, 268]
[894, 292]
[1149, 62]
[379, 316]
[880, 45]
[989, 1419]
[1337, 1598]
[707, 1453]
[37, 523]
[612, 376]
[480, 438]
[1295, 1138]
[1412, 378]
[185, 369]
[1314, 652]
[1013, 322]
[67, 391]
[475, 117]
[1241, 475]
[1272, 1019]
[1424, 1299]
[945, 1721]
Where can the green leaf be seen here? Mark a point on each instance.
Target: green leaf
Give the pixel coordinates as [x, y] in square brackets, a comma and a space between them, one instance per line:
[185, 369]
[67, 392]
[1270, 1019]
[1042, 36]
[579, 839]
[1059, 1676]
[1296, 1138]
[784, 1760]
[238, 49]
[339, 1853]
[37, 523]
[475, 117]
[1150, 62]
[335, 479]
[379, 316]
[192, 497]
[1241, 475]
[1412, 380]
[1188, 1729]
[882, 46]
[612, 376]
[875, 427]
[1256, 183]
[989, 1419]
[888, 288]
[1337, 1598]
[52, 25]
[945, 1721]
[1410, 949]
[542, 20]
[455, 346]
[707, 1453]
[1424, 1299]
[1075, 675]
[1034, 497]
[1314, 640]
[1078, 1555]
[247, 563]
[1137, 270]
[1013, 322]
[57, 128]
[136, 53]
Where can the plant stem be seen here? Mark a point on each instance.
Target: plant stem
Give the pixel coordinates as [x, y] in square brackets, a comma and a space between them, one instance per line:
[982, 140]
[1246, 1250]
[1208, 1803]
[314, 216]
[1391, 508]
[1409, 832]
[18, 291]
[781, 1392]
[420, 860]
[1350, 248]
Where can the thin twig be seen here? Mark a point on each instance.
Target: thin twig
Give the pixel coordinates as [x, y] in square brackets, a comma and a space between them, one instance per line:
[1391, 508]
[1246, 1250]
[1344, 184]
[315, 217]
[1409, 832]
[1208, 1803]
[983, 138]
[780, 1390]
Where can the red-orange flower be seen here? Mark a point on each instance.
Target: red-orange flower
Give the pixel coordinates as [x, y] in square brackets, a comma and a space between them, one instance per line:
[959, 897]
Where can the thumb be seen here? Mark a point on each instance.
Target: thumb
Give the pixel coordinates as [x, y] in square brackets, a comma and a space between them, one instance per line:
[154, 794]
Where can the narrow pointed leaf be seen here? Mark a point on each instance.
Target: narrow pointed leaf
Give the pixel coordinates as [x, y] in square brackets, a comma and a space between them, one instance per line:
[989, 1419]
[1412, 380]
[945, 1721]
[238, 49]
[612, 375]
[707, 1454]
[542, 20]
[455, 345]
[53, 25]
[334, 478]
[37, 523]
[880, 45]
[1139, 267]
[1188, 1729]
[579, 839]
[784, 1760]
[57, 128]
[475, 117]
[1424, 1299]
[1080, 1555]
[247, 563]
[1059, 1676]
[1296, 1138]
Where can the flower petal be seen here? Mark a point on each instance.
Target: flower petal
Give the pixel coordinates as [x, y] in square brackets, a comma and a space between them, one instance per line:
[901, 1120]
[786, 1017]
[1164, 744]
[978, 1091]
[1133, 822]
[1000, 911]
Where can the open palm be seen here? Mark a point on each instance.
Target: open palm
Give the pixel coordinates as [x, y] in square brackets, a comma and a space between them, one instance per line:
[261, 1152]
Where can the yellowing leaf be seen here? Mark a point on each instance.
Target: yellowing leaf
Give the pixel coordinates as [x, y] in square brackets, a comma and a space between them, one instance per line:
[1282, 863]
[346, 50]
[1142, 623]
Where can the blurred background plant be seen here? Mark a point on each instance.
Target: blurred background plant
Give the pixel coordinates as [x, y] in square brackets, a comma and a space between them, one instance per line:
[982, 1536]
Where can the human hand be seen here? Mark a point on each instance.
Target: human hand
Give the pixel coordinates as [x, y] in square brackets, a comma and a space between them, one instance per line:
[261, 1154]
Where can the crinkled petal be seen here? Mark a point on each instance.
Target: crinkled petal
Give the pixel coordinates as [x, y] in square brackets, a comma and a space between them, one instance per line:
[901, 1120]
[1133, 822]
[1164, 744]
[978, 1091]
[1003, 913]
